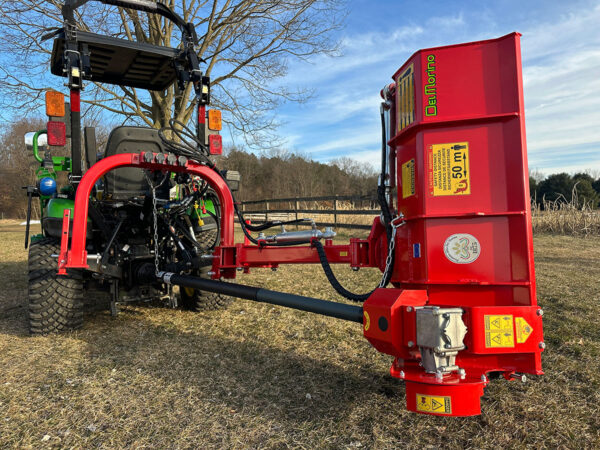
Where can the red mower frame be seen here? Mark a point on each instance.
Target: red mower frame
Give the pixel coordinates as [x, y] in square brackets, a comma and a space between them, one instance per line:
[464, 307]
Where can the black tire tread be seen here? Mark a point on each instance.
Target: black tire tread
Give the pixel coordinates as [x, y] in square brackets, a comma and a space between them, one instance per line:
[55, 301]
[202, 300]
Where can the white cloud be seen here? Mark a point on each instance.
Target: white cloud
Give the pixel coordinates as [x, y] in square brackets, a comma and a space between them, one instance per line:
[561, 59]
[562, 91]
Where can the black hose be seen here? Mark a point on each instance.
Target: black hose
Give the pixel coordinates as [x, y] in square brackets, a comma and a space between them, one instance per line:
[387, 219]
[334, 281]
[336, 284]
[383, 147]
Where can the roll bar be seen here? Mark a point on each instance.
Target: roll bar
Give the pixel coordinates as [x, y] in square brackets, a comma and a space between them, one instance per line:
[140, 5]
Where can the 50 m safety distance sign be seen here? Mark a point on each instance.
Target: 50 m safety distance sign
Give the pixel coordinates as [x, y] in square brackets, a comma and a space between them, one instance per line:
[448, 169]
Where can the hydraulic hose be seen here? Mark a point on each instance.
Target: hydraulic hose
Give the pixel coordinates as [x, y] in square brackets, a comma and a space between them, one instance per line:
[387, 219]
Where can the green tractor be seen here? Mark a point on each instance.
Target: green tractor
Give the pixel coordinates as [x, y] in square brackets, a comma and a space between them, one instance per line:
[137, 220]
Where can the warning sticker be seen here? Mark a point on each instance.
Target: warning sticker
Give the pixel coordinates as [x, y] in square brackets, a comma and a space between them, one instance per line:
[406, 98]
[499, 331]
[434, 404]
[448, 171]
[523, 330]
[408, 178]
[367, 321]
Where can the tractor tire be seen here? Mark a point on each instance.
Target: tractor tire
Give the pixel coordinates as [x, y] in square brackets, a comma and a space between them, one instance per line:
[55, 301]
[195, 300]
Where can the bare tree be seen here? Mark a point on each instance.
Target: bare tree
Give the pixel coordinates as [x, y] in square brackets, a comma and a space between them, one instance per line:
[247, 46]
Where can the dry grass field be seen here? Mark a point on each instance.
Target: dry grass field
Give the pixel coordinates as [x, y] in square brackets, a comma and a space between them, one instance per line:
[257, 376]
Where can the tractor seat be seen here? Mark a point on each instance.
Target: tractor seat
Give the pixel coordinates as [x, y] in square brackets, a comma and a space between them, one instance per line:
[127, 182]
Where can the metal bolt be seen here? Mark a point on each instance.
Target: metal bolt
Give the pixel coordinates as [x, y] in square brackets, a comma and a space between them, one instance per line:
[239, 269]
[519, 376]
[210, 273]
[462, 373]
[542, 345]
[355, 269]
[409, 309]
[484, 378]
[402, 374]
[439, 376]
[411, 344]
[540, 312]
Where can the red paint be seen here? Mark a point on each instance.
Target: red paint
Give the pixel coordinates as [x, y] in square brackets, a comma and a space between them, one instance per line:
[477, 99]
[75, 100]
[64, 242]
[77, 255]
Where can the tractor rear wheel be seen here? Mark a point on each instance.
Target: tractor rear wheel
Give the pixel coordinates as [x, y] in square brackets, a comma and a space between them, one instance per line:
[196, 300]
[55, 301]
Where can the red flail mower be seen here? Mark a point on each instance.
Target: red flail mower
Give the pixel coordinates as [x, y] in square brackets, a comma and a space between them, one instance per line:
[456, 306]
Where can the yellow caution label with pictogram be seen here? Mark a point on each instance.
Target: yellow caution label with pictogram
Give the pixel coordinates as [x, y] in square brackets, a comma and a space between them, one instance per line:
[436, 404]
[523, 330]
[499, 331]
[448, 169]
[408, 178]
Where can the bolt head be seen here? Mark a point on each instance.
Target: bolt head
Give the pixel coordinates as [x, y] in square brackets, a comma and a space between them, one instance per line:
[542, 345]
[483, 378]
[540, 312]
[402, 374]
[409, 309]
[411, 344]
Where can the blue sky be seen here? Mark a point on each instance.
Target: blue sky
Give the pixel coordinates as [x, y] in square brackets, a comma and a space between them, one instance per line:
[561, 67]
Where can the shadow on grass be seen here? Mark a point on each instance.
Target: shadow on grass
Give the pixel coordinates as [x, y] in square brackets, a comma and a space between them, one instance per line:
[232, 374]
[13, 292]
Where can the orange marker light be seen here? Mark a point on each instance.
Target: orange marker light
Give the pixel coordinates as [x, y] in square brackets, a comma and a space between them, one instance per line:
[214, 119]
[55, 104]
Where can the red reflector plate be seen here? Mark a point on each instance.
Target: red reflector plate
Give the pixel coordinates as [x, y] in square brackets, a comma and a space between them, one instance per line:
[57, 133]
[215, 144]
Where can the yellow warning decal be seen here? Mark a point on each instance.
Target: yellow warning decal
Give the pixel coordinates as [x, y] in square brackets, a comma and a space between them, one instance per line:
[408, 178]
[406, 98]
[434, 404]
[448, 171]
[367, 320]
[499, 331]
[523, 330]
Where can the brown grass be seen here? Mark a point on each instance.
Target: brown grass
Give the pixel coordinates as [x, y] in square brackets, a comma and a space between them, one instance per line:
[257, 376]
[568, 218]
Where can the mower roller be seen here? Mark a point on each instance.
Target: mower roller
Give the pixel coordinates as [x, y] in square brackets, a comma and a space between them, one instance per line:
[456, 305]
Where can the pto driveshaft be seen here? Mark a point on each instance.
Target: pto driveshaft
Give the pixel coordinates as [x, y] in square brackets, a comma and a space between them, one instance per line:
[314, 305]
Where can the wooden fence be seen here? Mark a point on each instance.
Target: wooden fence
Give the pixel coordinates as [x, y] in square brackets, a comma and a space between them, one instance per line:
[336, 206]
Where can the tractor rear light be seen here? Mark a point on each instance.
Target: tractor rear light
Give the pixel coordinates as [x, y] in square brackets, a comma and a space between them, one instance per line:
[214, 120]
[55, 104]
[215, 144]
[57, 133]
